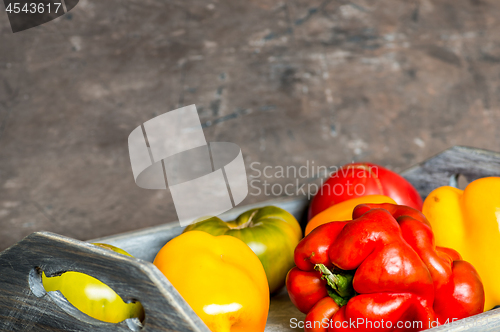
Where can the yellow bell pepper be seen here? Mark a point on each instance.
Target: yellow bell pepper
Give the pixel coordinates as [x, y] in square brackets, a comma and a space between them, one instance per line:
[220, 277]
[469, 221]
[343, 211]
[93, 297]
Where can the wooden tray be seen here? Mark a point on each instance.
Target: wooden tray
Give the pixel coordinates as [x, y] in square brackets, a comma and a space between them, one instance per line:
[25, 306]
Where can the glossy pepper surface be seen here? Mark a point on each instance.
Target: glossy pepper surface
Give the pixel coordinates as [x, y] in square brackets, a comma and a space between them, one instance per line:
[468, 221]
[271, 232]
[382, 265]
[361, 179]
[343, 211]
[93, 297]
[220, 278]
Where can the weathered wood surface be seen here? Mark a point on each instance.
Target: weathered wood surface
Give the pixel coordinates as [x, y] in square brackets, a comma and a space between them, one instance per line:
[21, 310]
[133, 279]
[486, 322]
[443, 169]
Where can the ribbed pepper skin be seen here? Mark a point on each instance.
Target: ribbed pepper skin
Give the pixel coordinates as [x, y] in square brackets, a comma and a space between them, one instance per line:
[221, 279]
[399, 274]
[469, 221]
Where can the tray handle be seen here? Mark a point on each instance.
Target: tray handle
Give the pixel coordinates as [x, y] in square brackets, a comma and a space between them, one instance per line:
[444, 168]
[24, 304]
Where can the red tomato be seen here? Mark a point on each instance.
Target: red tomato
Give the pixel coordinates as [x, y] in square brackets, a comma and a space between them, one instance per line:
[360, 179]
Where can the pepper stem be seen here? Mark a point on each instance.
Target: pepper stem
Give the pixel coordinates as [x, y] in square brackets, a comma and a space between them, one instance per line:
[247, 223]
[339, 285]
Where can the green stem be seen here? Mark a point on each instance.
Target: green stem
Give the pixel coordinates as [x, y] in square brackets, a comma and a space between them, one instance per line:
[339, 285]
[247, 223]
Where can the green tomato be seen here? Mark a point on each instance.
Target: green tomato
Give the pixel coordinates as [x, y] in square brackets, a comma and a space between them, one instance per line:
[272, 233]
[93, 297]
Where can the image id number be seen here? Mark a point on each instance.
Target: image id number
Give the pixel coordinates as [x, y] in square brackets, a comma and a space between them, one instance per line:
[33, 8]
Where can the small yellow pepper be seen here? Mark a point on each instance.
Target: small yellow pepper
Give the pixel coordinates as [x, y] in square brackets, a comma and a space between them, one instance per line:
[93, 297]
[220, 277]
[343, 211]
[469, 222]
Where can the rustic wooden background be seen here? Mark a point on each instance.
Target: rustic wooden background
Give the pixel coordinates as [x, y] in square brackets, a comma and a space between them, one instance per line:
[291, 82]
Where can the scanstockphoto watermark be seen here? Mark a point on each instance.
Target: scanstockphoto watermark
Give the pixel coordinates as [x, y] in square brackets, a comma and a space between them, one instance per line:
[298, 180]
[364, 324]
[359, 323]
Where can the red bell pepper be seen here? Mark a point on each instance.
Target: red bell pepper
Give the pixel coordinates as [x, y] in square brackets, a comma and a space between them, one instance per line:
[381, 271]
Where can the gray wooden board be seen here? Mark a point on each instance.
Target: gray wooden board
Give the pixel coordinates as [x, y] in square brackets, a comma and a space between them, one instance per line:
[443, 169]
[137, 279]
[25, 306]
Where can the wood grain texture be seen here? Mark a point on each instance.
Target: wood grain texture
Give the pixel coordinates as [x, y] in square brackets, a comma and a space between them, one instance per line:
[486, 322]
[21, 310]
[131, 278]
[442, 169]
